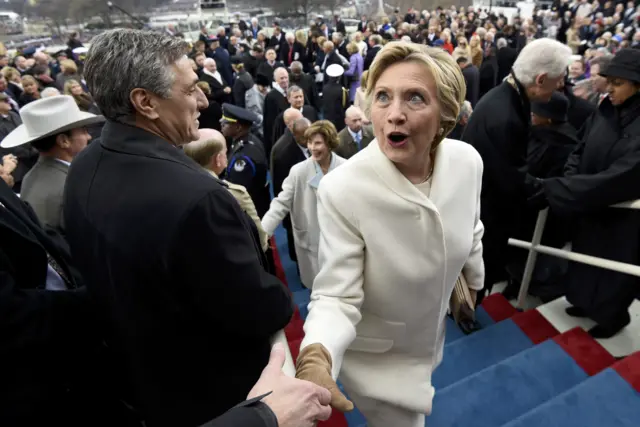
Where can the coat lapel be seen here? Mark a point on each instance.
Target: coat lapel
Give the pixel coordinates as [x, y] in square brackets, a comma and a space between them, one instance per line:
[396, 181]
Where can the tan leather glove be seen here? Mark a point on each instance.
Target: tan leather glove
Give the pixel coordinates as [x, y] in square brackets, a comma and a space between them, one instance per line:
[314, 365]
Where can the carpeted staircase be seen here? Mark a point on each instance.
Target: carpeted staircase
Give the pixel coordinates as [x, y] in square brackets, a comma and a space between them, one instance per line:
[518, 371]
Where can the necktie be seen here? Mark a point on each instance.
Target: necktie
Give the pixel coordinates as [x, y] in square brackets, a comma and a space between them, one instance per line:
[358, 139]
[290, 53]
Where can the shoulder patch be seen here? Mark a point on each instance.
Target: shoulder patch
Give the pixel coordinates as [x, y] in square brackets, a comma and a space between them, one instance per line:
[239, 165]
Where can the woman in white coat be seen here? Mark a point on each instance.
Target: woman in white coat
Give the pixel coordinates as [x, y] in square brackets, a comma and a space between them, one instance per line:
[399, 222]
[298, 196]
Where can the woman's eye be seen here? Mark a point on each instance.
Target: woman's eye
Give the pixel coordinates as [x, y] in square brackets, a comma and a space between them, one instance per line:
[416, 98]
[382, 97]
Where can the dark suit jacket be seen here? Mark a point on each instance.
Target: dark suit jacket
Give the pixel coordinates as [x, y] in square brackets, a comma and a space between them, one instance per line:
[172, 258]
[348, 146]
[217, 89]
[371, 54]
[279, 127]
[49, 341]
[274, 104]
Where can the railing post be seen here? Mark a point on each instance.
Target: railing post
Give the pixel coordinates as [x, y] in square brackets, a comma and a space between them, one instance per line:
[531, 258]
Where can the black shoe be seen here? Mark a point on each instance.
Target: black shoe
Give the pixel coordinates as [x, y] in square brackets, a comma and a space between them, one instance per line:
[605, 331]
[512, 289]
[574, 311]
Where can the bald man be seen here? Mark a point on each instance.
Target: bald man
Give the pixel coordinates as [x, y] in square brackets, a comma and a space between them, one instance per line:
[290, 150]
[355, 136]
[220, 89]
[210, 152]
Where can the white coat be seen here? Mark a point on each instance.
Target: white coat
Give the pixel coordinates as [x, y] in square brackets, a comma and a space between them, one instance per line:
[298, 198]
[389, 258]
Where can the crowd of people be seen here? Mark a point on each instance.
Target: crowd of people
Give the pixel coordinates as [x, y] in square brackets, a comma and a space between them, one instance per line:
[137, 280]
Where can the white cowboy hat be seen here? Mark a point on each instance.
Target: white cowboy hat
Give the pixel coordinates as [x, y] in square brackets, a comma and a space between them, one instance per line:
[46, 117]
[80, 50]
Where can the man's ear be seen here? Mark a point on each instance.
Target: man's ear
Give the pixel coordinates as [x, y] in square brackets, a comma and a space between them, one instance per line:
[145, 103]
[540, 79]
[62, 141]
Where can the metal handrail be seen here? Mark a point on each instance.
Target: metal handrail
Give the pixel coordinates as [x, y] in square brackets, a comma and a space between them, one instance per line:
[535, 247]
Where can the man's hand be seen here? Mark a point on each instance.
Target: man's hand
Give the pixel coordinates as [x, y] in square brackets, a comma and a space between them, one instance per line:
[9, 163]
[294, 402]
[227, 89]
[6, 178]
[314, 364]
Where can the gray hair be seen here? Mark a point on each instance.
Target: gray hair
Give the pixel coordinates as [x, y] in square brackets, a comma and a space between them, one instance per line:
[541, 56]
[122, 60]
[300, 122]
[465, 110]
[49, 91]
[502, 42]
[292, 89]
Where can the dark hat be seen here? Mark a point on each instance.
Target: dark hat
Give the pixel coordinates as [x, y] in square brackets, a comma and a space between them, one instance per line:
[237, 59]
[233, 114]
[556, 109]
[624, 65]
[263, 80]
[29, 51]
[438, 42]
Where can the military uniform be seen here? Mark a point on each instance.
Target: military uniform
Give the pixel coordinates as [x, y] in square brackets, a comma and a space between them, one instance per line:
[247, 160]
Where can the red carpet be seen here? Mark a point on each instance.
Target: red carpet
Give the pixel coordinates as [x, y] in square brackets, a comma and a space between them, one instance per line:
[586, 351]
[295, 333]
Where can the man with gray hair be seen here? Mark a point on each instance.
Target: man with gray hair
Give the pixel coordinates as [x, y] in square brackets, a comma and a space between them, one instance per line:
[188, 307]
[498, 129]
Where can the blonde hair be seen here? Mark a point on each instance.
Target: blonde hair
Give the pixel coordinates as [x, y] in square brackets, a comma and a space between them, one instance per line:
[68, 84]
[69, 66]
[451, 88]
[327, 130]
[352, 48]
[11, 74]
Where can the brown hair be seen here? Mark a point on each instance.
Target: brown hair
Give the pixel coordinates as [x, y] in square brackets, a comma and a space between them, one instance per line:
[327, 130]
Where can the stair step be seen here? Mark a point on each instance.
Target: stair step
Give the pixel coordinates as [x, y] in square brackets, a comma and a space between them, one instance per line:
[489, 346]
[516, 385]
[607, 399]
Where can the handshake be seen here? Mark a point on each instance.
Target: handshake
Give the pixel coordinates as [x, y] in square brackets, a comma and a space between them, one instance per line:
[306, 399]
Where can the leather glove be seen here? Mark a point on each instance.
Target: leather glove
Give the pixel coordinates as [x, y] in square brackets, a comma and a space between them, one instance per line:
[314, 365]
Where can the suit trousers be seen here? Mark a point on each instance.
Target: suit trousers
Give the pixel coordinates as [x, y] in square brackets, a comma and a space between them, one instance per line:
[383, 414]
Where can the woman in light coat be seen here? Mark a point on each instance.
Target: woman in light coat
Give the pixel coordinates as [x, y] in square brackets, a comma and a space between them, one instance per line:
[298, 196]
[399, 222]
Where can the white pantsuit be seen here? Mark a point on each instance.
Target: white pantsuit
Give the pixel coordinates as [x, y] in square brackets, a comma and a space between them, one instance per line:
[298, 198]
[389, 257]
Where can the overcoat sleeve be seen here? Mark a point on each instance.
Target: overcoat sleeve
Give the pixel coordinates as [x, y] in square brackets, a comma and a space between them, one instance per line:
[230, 280]
[246, 204]
[338, 294]
[251, 413]
[473, 269]
[281, 205]
[579, 193]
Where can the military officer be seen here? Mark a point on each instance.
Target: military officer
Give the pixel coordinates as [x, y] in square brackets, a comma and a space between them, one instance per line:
[247, 159]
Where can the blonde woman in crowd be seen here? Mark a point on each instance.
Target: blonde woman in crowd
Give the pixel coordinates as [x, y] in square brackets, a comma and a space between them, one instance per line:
[476, 51]
[83, 99]
[378, 304]
[462, 50]
[31, 90]
[298, 196]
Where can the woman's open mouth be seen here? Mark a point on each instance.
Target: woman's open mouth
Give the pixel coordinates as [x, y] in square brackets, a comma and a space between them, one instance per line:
[397, 139]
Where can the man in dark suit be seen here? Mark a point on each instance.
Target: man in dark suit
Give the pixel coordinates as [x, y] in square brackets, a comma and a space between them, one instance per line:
[295, 96]
[355, 136]
[375, 44]
[50, 340]
[274, 103]
[169, 256]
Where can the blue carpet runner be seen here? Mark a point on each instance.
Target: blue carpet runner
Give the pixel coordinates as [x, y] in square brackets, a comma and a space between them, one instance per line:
[516, 372]
[606, 400]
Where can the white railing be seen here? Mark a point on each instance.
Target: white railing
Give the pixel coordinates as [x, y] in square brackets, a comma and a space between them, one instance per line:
[535, 247]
